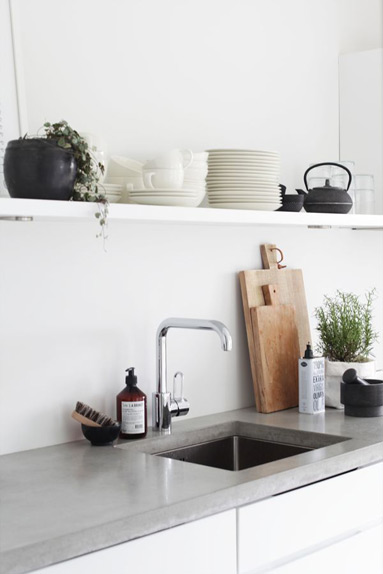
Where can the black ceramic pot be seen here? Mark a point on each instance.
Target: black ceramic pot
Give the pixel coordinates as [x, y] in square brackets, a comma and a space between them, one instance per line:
[362, 400]
[39, 169]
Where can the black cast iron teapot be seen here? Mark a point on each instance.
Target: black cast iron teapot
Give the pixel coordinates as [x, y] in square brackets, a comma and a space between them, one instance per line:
[327, 199]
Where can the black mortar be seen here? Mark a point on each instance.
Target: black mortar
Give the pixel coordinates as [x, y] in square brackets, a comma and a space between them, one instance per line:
[362, 400]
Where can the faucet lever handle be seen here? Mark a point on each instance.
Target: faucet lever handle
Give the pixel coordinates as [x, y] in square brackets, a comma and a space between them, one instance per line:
[182, 405]
[177, 375]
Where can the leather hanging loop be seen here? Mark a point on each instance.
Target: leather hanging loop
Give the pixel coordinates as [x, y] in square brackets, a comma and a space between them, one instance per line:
[281, 259]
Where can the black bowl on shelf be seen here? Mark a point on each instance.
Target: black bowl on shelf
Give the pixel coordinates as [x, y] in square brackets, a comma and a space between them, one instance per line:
[293, 202]
[101, 436]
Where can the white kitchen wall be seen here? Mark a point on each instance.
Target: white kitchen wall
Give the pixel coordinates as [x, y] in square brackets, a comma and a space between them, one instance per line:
[360, 25]
[361, 114]
[74, 317]
[151, 76]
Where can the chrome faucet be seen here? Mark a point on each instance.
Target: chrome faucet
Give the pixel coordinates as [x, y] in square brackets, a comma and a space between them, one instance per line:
[164, 405]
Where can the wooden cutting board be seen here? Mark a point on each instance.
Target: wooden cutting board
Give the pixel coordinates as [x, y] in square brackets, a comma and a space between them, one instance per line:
[291, 291]
[276, 352]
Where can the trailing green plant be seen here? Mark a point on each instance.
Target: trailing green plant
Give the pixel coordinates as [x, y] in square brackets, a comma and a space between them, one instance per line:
[86, 187]
[345, 327]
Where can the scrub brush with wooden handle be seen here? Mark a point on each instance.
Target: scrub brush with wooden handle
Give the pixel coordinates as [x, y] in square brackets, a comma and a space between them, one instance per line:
[87, 416]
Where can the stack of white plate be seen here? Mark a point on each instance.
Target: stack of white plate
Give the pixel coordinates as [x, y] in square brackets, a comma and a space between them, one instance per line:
[112, 191]
[181, 197]
[244, 179]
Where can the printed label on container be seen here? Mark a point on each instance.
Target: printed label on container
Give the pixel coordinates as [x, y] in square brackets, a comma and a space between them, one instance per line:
[132, 417]
[311, 386]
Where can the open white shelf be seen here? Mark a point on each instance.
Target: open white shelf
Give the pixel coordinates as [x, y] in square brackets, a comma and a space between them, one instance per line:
[11, 208]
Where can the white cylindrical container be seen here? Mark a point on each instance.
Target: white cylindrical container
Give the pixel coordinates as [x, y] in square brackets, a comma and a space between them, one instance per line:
[311, 383]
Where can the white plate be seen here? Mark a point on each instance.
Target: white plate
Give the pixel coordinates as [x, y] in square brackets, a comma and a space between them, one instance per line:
[241, 178]
[244, 193]
[113, 199]
[273, 204]
[250, 206]
[242, 159]
[246, 166]
[242, 152]
[115, 187]
[243, 173]
[232, 172]
[162, 191]
[243, 167]
[245, 197]
[253, 206]
[245, 189]
[164, 195]
[163, 200]
[235, 184]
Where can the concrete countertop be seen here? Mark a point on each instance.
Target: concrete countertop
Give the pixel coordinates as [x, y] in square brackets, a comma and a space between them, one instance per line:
[67, 500]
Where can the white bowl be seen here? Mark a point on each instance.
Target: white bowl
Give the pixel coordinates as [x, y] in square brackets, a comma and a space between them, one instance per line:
[197, 165]
[120, 166]
[200, 156]
[196, 173]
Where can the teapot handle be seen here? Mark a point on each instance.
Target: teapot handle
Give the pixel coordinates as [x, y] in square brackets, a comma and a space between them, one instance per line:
[328, 163]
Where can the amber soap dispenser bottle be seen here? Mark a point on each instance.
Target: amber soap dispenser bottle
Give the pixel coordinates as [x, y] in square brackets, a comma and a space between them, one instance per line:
[132, 408]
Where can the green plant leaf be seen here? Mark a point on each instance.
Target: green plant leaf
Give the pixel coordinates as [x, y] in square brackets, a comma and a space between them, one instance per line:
[345, 327]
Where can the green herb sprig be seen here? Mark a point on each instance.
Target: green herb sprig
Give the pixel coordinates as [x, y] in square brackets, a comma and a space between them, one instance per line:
[345, 327]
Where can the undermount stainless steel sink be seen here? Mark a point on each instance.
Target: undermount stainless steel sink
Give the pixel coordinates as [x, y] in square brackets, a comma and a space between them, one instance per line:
[234, 452]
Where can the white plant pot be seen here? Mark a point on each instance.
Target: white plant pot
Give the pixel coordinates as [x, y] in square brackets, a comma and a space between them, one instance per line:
[333, 373]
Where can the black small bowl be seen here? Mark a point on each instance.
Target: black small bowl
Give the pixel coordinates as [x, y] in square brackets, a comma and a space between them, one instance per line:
[100, 436]
[291, 202]
[362, 400]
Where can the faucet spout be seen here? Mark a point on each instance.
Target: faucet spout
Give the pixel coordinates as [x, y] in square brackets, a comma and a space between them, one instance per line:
[162, 402]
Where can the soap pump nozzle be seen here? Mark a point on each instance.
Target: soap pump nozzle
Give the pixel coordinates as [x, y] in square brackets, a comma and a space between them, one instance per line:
[308, 352]
[131, 378]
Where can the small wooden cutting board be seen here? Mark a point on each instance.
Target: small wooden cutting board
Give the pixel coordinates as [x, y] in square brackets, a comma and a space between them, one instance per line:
[276, 352]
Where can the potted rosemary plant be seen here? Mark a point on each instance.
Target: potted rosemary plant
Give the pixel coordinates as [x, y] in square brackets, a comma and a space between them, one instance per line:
[57, 165]
[346, 339]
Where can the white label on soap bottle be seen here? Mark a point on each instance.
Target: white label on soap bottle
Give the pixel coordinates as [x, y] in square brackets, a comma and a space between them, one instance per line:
[132, 417]
[311, 385]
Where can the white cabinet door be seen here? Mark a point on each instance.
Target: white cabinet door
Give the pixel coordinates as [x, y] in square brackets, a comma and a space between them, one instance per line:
[361, 553]
[280, 528]
[206, 546]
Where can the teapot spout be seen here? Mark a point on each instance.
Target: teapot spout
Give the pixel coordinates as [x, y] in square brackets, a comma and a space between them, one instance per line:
[301, 192]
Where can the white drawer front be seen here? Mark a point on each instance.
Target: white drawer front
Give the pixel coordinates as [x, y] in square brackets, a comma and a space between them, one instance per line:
[362, 552]
[205, 546]
[289, 523]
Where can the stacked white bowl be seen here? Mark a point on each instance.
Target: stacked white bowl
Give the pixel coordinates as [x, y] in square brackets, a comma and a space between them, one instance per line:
[126, 173]
[195, 176]
[244, 179]
[174, 178]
